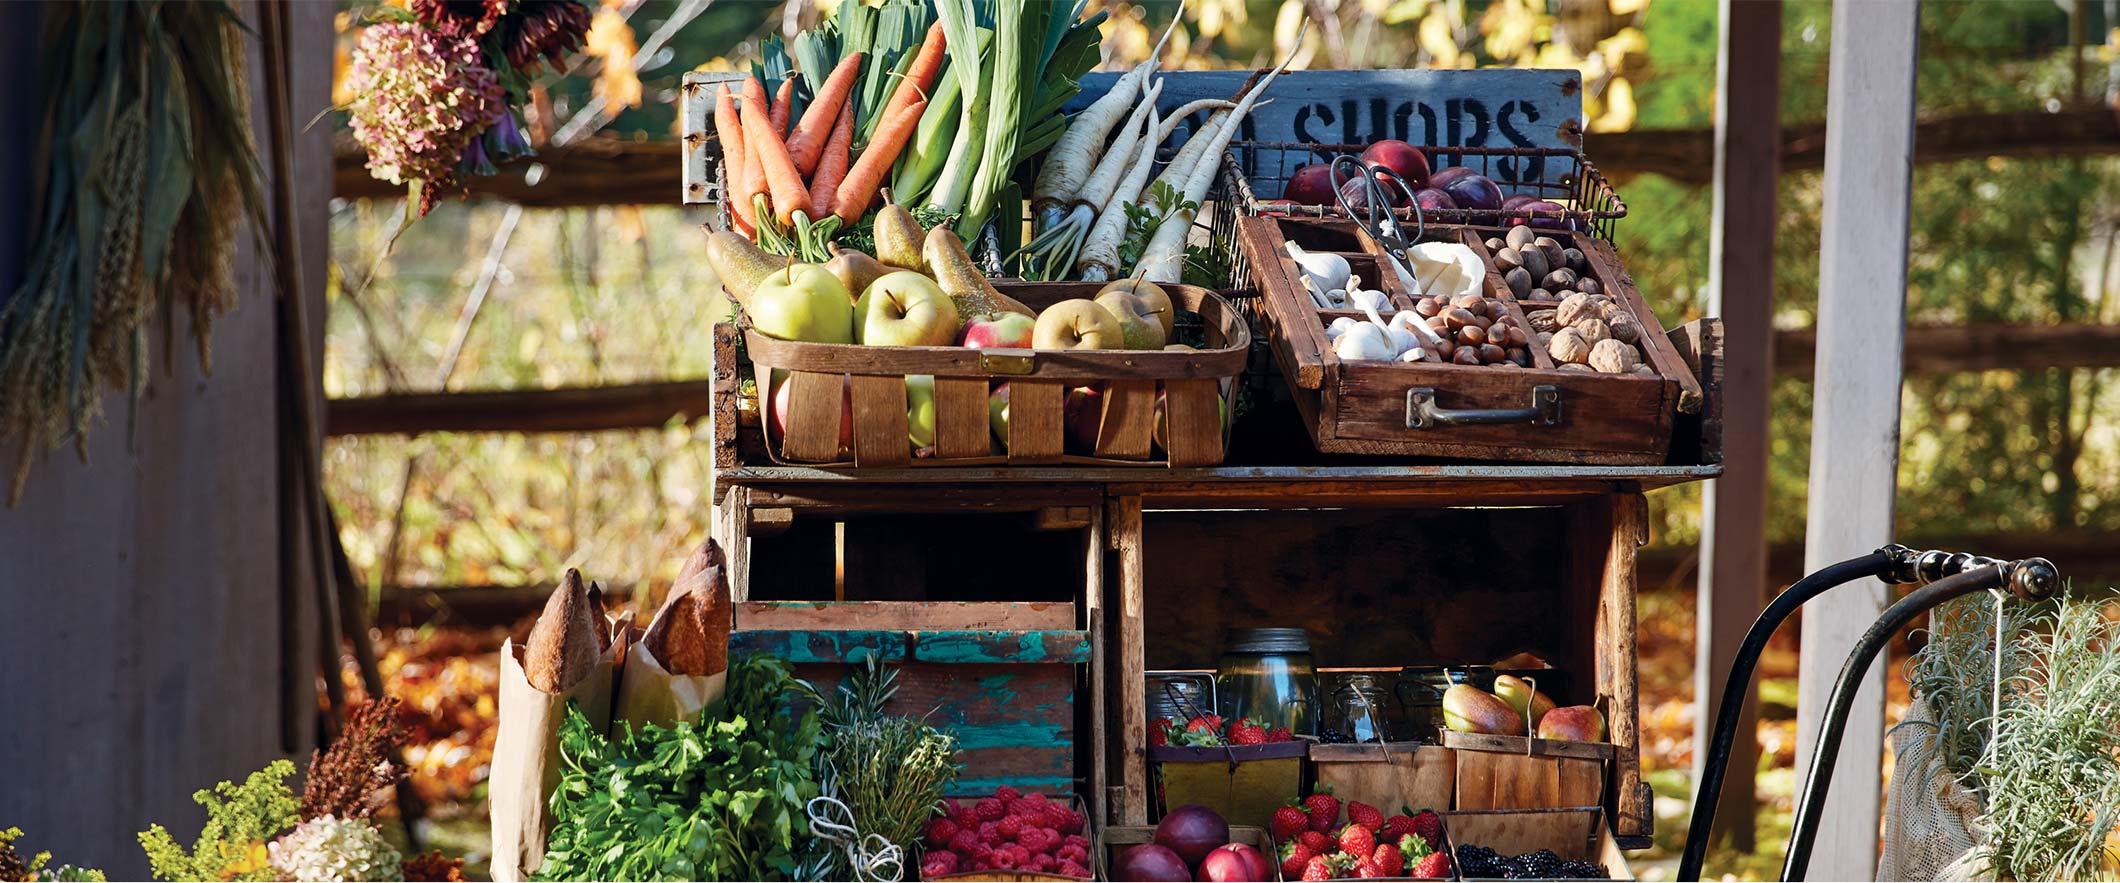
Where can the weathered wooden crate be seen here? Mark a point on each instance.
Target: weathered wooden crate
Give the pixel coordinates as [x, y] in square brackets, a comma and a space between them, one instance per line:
[1387, 776]
[1090, 832]
[1175, 402]
[1242, 782]
[1365, 407]
[1520, 772]
[1117, 837]
[1574, 833]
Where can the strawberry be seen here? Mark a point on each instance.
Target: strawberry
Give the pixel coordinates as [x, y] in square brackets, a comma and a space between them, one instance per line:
[1280, 734]
[1365, 815]
[1367, 869]
[1288, 821]
[1430, 827]
[1318, 841]
[1394, 828]
[1247, 732]
[1294, 857]
[1434, 865]
[1324, 811]
[1390, 859]
[1358, 841]
[1206, 723]
[1318, 868]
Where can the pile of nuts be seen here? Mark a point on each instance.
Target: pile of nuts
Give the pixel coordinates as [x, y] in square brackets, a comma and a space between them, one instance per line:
[1538, 269]
[1476, 331]
[1592, 332]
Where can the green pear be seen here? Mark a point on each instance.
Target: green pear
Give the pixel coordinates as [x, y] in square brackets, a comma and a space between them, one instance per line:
[1528, 701]
[802, 302]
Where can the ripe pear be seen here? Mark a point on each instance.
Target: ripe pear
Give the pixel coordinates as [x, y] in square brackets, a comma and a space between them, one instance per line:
[898, 238]
[854, 269]
[1527, 700]
[1469, 709]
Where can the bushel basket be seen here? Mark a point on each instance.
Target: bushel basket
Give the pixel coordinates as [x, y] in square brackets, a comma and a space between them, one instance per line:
[846, 404]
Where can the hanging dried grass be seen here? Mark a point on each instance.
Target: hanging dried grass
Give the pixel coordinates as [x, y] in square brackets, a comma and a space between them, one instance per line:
[149, 169]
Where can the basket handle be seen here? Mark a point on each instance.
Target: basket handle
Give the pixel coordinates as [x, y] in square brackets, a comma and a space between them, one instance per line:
[1422, 411]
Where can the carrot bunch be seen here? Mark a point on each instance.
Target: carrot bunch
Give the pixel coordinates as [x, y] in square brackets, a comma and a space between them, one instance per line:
[792, 190]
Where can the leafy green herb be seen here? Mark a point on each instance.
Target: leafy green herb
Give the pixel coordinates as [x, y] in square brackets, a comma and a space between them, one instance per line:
[1144, 216]
[890, 771]
[722, 797]
[240, 820]
[861, 236]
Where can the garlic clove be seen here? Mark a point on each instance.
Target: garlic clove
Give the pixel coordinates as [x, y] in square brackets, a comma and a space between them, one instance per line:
[1413, 355]
[1338, 327]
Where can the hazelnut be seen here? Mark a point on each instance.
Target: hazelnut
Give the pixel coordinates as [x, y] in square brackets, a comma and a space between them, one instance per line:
[1568, 345]
[1466, 355]
[1459, 317]
[1520, 236]
[1519, 281]
[1443, 349]
[1518, 337]
[1505, 363]
[1489, 353]
[1575, 308]
[1483, 322]
[1592, 330]
[1613, 357]
[1520, 356]
[1472, 335]
[1426, 308]
[1437, 323]
[1473, 302]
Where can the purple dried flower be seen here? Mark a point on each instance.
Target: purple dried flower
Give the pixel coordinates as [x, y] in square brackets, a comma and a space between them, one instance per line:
[422, 99]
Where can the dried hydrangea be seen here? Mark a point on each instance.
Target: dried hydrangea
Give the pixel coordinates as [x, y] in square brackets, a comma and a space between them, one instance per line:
[545, 31]
[328, 848]
[460, 18]
[422, 98]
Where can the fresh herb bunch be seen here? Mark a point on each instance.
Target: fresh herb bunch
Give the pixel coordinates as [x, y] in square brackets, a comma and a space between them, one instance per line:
[1143, 217]
[1954, 674]
[240, 820]
[14, 867]
[721, 797]
[2053, 765]
[890, 771]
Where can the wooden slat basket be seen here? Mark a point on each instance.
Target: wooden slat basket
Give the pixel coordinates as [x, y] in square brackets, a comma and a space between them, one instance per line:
[1573, 833]
[1520, 772]
[1392, 408]
[847, 403]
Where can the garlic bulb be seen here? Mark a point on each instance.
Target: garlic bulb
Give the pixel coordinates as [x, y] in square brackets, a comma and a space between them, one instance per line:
[1366, 341]
[1324, 271]
[1370, 299]
[1338, 327]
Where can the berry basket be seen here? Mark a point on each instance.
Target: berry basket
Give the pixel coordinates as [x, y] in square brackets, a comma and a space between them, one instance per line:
[1577, 838]
[1409, 872]
[1089, 835]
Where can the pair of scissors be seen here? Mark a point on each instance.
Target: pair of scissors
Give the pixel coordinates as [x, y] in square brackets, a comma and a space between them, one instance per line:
[1377, 218]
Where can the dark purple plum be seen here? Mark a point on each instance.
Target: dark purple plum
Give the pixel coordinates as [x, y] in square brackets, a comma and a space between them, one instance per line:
[1546, 223]
[1400, 157]
[1310, 185]
[1518, 200]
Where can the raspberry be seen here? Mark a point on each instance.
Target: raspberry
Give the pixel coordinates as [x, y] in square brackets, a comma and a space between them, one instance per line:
[1010, 828]
[982, 866]
[934, 867]
[940, 831]
[1032, 839]
[1035, 797]
[1015, 852]
[1318, 842]
[1356, 840]
[948, 861]
[1076, 840]
[1043, 862]
[1072, 823]
[964, 817]
[965, 841]
[982, 852]
[1073, 869]
[1365, 815]
[990, 832]
[1072, 853]
[989, 809]
[1006, 793]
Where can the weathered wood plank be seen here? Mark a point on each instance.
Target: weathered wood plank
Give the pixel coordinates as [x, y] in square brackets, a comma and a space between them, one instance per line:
[1014, 724]
[1123, 522]
[906, 615]
[961, 646]
[812, 645]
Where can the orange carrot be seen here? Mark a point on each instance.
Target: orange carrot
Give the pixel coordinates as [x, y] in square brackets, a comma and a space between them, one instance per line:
[728, 127]
[919, 77]
[783, 104]
[819, 120]
[785, 184]
[832, 167]
[859, 189]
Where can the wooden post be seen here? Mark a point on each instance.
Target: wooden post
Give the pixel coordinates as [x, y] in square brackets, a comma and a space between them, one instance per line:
[1733, 548]
[1633, 804]
[1855, 412]
[1123, 524]
[1093, 621]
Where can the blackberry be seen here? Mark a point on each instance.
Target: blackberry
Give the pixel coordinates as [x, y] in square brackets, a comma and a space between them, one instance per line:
[1582, 870]
[1479, 861]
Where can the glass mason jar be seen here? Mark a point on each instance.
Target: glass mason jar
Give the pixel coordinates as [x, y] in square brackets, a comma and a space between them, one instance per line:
[1360, 709]
[1267, 675]
[1177, 695]
[1420, 691]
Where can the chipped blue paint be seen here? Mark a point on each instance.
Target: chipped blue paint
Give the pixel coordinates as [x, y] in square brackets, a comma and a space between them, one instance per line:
[1008, 734]
[807, 646]
[1069, 647]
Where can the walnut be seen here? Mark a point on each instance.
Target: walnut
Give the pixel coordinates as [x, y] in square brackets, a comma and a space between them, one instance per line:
[1575, 308]
[1568, 345]
[1614, 357]
[1624, 329]
[1593, 330]
[1573, 366]
[1645, 370]
[1544, 321]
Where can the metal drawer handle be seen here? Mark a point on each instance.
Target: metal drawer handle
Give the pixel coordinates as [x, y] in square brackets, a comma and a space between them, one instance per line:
[1423, 413]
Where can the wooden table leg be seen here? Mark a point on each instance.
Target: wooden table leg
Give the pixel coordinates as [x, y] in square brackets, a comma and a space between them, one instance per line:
[1618, 669]
[1123, 524]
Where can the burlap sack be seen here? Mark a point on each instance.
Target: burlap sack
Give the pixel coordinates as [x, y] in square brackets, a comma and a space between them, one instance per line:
[526, 757]
[1929, 818]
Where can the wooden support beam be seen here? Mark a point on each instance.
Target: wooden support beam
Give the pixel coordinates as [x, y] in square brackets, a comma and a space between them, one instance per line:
[1862, 276]
[1733, 551]
[1130, 713]
[613, 172]
[1947, 349]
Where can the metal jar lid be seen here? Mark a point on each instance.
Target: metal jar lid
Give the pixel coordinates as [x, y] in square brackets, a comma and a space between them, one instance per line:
[1267, 641]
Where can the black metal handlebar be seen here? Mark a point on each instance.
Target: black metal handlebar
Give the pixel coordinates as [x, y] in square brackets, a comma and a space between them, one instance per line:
[2033, 577]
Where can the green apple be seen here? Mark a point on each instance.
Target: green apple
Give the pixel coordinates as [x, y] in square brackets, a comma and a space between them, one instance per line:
[1078, 324]
[1140, 326]
[920, 409]
[802, 302]
[997, 413]
[1150, 299]
[905, 309]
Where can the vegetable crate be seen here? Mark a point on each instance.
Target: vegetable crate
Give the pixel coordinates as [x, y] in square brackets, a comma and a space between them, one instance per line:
[1116, 838]
[1521, 772]
[1238, 781]
[1389, 775]
[1573, 833]
[1542, 413]
[846, 405]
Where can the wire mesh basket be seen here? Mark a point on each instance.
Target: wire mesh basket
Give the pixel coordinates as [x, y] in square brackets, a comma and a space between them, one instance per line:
[1255, 173]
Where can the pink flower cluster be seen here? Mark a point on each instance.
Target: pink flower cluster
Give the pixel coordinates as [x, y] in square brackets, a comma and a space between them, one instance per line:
[1008, 831]
[421, 99]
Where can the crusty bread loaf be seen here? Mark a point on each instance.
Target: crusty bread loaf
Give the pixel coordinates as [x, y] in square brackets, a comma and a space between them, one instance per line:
[690, 634]
[562, 649]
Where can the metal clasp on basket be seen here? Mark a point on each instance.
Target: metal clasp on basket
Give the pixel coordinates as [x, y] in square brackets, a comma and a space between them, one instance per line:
[1001, 363]
[1422, 412]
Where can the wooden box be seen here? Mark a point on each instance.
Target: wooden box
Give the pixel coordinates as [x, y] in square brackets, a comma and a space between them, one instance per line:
[1175, 403]
[1090, 832]
[1574, 833]
[1387, 776]
[1245, 783]
[1117, 837]
[1377, 407]
[1520, 772]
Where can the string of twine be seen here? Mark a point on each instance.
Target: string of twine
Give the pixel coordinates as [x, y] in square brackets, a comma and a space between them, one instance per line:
[1995, 696]
[872, 858]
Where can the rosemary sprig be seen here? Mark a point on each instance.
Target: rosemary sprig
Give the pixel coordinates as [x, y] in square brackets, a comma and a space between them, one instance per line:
[890, 771]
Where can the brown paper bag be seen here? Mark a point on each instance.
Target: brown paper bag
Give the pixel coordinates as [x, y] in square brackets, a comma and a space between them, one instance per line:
[526, 749]
[680, 664]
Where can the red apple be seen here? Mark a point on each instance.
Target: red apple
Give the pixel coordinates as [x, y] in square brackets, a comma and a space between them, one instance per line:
[1310, 185]
[1005, 331]
[846, 413]
[1234, 862]
[1084, 409]
[1575, 723]
[1399, 157]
